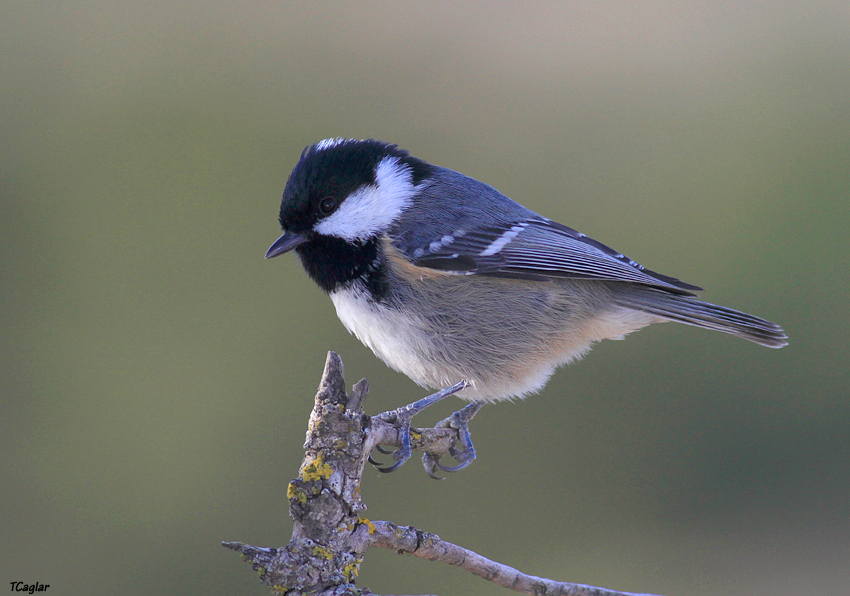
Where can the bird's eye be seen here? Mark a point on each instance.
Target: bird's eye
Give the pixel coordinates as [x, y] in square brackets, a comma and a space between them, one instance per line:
[327, 205]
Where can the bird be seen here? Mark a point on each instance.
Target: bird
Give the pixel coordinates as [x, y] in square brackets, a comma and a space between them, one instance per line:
[462, 289]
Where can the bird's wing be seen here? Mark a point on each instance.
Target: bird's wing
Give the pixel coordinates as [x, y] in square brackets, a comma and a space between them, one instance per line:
[537, 249]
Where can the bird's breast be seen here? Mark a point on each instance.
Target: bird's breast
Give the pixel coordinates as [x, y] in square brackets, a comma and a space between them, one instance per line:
[395, 337]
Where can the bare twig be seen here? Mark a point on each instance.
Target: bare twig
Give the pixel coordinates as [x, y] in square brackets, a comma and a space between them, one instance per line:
[329, 537]
[409, 540]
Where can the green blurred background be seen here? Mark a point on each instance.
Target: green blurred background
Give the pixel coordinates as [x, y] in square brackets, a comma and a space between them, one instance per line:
[157, 373]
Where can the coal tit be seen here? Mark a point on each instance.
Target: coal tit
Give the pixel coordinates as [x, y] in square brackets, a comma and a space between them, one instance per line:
[445, 278]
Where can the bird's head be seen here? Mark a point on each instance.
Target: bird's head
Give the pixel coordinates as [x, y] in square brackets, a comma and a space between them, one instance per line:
[346, 190]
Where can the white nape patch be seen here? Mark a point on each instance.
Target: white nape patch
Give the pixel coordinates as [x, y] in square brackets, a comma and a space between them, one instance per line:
[371, 209]
[328, 143]
[500, 242]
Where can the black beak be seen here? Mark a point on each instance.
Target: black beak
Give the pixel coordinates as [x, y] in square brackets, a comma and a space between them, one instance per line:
[285, 243]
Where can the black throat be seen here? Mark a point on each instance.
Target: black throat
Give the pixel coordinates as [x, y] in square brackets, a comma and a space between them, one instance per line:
[334, 263]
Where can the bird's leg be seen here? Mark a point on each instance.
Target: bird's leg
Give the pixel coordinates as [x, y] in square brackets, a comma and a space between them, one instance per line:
[464, 453]
[402, 417]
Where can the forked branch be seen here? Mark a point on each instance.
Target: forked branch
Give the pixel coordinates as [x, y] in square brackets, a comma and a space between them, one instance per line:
[329, 537]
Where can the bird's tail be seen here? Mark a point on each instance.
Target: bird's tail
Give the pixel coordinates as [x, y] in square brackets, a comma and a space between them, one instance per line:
[691, 311]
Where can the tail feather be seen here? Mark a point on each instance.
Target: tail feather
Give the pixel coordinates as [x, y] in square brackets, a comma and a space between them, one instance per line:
[691, 311]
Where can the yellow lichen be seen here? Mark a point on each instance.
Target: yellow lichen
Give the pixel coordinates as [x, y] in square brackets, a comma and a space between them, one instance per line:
[292, 492]
[367, 523]
[351, 570]
[321, 551]
[317, 470]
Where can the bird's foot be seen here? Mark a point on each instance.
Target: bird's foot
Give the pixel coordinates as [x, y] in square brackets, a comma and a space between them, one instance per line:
[463, 451]
[402, 417]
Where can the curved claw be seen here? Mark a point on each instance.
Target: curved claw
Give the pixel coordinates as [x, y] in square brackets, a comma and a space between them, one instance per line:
[392, 468]
[379, 449]
[430, 464]
[456, 468]
[401, 455]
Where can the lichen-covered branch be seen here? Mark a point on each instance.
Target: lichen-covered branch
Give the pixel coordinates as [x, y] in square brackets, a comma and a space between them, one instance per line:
[330, 537]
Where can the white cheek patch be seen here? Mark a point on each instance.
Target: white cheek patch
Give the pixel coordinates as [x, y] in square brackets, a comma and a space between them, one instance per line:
[371, 209]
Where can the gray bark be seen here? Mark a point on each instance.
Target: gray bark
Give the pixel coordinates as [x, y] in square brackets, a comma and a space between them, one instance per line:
[330, 538]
